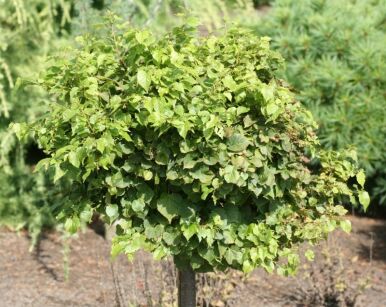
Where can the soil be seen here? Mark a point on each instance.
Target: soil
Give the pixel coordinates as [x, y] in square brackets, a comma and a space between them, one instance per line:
[355, 264]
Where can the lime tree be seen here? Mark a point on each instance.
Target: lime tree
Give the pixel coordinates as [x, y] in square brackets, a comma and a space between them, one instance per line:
[193, 148]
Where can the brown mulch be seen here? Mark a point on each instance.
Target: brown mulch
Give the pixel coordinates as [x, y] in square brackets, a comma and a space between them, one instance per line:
[38, 278]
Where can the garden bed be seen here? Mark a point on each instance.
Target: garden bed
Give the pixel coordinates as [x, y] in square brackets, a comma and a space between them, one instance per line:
[38, 278]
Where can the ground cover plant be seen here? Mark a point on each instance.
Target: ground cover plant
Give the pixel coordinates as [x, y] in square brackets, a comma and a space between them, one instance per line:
[336, 62]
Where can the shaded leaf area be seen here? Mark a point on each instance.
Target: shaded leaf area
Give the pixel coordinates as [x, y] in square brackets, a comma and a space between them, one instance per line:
[192, 147]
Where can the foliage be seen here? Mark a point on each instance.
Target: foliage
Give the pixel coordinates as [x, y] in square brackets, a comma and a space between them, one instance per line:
[193, 147]
[337, 60]
[29, 31]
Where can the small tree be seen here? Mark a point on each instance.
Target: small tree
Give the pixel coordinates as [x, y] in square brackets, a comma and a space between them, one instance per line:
[194, 149]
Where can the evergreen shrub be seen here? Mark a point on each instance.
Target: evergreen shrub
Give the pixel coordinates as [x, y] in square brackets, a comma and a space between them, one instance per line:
[336, 61]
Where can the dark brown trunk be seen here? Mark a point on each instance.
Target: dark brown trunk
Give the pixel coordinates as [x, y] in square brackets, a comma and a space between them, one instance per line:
[186, 288]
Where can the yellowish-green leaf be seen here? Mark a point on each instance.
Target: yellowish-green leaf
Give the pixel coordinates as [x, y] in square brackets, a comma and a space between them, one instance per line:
[143, 79]
[361, 178]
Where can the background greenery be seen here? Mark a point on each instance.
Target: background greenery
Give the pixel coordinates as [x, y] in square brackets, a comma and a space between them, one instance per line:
[336, 61]
[29, 31]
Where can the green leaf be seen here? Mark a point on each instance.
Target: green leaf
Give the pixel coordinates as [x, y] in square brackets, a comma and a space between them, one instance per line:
[115, 102]
[136, 242]
[144, 37]
[101, 144]
[170, 236]
[361, 178]
[112, 211]
[231, 175]
[237, 142]
[183, 127]
[19, 129]
[203, 174]
[72, 224]
[59, 173]
[208, 254]
[189, 231]
[145, 192]
[119, 180]
[171, 206]
[233, 256]
[364, 199]
[68, 114]
[74, 159]
[143, 79]
[268, 92]
[138, 205]
[247, 266]
[345, 225]
[86, 214]
[147, 175]
[44, 163]
[116, 249]
[189, 162]
[229, 82]
[271, 108]
[153, 232]
[162, 156]
[228, 95]
[168, 205]
[159, 253]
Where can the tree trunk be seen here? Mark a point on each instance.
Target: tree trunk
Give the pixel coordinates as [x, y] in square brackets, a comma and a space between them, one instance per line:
[186, 288]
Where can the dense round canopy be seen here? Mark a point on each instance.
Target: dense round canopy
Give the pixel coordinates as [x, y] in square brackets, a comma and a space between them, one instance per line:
[193, 147]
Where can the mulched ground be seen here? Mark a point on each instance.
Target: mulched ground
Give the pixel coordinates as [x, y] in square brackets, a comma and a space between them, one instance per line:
[38, 278]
